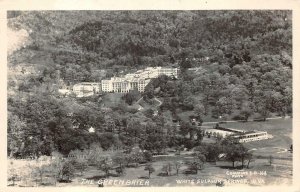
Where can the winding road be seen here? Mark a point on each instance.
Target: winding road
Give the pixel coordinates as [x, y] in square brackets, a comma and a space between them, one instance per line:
[250, 120]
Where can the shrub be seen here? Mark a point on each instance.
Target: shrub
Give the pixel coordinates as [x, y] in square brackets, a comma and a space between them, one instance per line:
[238, 117]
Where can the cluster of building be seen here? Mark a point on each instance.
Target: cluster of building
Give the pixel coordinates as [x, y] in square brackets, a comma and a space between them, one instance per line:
[136, 81]
[86, 89]
[241, 136]
[132, 81]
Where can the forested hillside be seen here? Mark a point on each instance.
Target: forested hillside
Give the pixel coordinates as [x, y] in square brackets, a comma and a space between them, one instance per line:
[243, 61]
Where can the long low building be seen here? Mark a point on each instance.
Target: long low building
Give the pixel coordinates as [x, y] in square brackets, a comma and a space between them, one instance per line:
[252, 136]
[241, 136]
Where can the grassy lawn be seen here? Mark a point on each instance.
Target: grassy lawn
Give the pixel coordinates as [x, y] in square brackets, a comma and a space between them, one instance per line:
[260, 173]
[186, 114]
[145, 105]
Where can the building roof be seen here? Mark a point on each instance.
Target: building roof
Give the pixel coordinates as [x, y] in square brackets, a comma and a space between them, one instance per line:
[138, 75]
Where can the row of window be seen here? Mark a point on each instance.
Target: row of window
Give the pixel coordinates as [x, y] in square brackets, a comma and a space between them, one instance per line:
[251, 136]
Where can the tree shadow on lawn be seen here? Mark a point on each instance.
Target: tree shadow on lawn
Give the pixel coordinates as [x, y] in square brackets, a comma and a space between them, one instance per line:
[64, 181]
[172, 174]
[190, 172]
[143, 177]
[231, 168]
[163, 174]
[49, 184]
[98, 177]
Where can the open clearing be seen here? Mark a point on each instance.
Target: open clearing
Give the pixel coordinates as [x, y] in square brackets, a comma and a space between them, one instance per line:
[280, 129]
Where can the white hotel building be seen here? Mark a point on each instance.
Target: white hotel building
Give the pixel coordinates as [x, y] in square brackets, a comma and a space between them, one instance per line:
[137, 80]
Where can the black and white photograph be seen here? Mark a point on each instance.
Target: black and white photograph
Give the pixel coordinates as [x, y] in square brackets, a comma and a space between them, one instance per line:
[149, 98]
